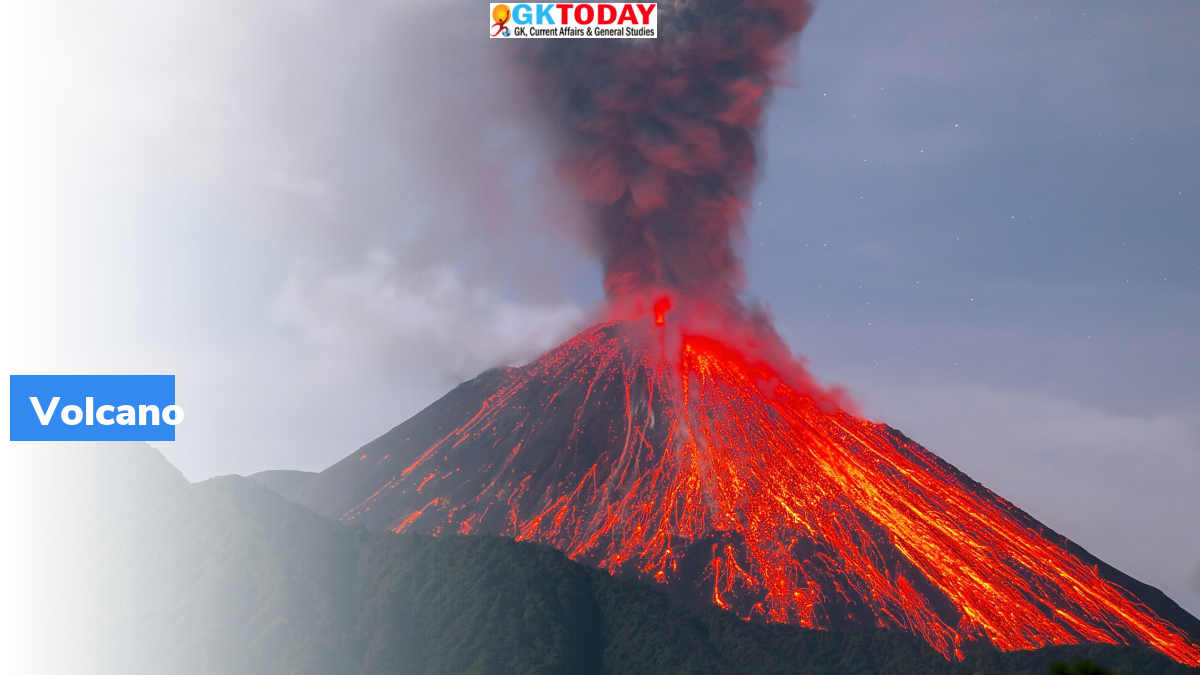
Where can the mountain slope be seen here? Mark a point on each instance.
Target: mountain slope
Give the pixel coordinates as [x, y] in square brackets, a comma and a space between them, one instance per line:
[261, 585]
[225, 577]
[678, 461]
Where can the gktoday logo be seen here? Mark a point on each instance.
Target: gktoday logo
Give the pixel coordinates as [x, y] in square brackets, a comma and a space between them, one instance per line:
[92, 408]
[574, 20]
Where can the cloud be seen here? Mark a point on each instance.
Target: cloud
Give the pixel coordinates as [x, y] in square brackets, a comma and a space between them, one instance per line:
[384, 318]
[394, 161]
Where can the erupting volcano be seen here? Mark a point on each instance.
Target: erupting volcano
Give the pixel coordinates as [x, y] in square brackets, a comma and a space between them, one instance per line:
[679, 460]
[678, 442]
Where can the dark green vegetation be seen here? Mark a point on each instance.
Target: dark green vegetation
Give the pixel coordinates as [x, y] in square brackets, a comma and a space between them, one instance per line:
[1082, 668]
[225, 577]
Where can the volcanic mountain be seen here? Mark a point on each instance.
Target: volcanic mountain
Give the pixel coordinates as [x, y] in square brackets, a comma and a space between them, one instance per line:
[680, 461]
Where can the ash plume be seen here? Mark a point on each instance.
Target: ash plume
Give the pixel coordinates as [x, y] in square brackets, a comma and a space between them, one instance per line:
[659, 137]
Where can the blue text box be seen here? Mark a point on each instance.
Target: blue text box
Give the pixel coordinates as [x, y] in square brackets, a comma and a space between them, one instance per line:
[107, 391]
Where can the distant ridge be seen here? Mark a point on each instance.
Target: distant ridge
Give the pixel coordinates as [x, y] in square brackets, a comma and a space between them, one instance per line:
[282, 481]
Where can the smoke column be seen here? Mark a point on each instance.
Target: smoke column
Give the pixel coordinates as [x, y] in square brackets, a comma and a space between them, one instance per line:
[660, 138]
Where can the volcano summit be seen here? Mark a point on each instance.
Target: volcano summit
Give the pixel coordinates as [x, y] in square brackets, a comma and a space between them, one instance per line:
[677, 459]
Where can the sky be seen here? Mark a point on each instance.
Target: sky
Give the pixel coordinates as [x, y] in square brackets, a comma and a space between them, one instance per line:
[984, 220]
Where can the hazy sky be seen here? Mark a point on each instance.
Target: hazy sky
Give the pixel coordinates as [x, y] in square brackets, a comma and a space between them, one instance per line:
[984, 219]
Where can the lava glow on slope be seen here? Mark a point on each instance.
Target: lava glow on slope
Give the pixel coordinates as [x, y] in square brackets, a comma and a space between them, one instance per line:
[682, 461]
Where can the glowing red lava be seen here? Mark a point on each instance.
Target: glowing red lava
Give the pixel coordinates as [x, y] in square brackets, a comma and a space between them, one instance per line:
[685, 462]
[660, 310]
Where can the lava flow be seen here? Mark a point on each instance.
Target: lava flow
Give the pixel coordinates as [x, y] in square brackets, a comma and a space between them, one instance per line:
[682, 461]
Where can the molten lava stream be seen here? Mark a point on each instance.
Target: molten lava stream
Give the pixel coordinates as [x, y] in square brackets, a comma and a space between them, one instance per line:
[782, 461]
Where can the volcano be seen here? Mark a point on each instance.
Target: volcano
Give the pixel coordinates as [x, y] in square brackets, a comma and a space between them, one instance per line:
[687, 448]
[681, 460]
